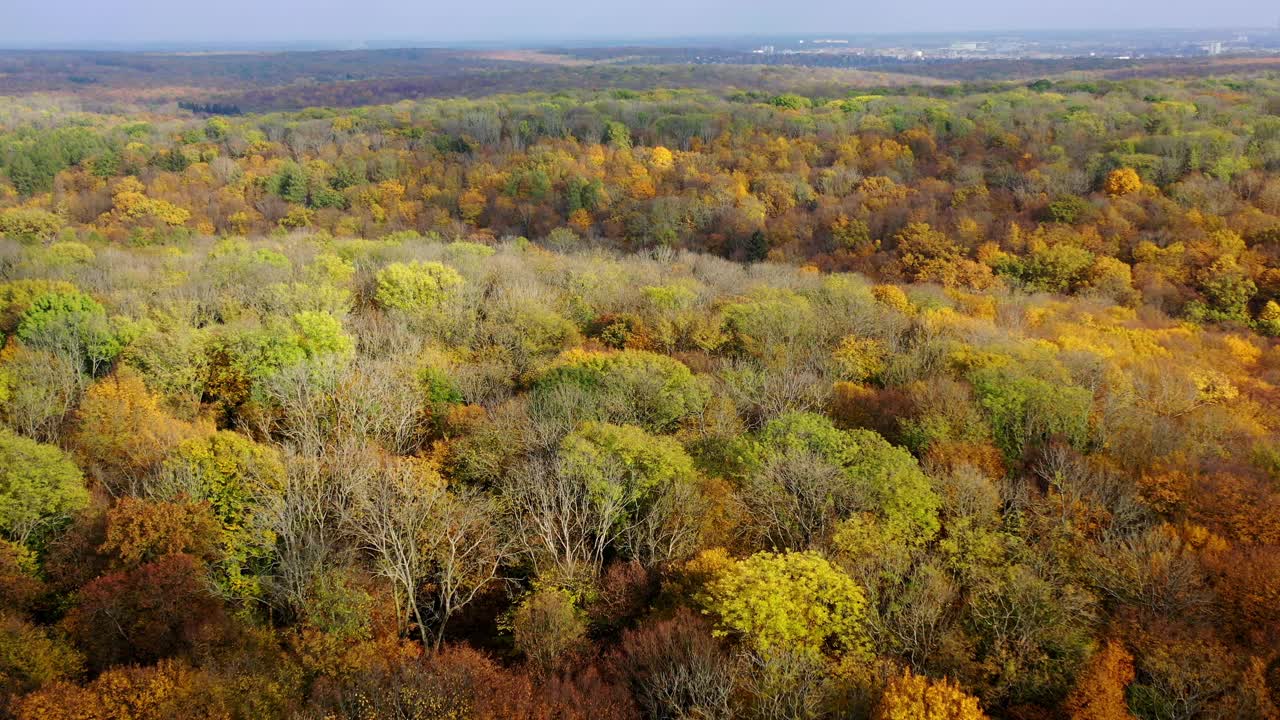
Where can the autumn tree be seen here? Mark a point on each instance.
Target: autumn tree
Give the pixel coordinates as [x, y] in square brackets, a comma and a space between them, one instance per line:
[123, 433]
[911, 696]
[39, 485]
[797, 601]
[1099, 692]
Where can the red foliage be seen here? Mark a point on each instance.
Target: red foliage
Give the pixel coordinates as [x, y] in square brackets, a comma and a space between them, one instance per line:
[156, 611]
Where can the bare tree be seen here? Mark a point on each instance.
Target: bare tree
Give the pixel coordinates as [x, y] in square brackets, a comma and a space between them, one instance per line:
[562, 523]
[307, 523]
[470, 547]
[422, 536]
[796, 500]
[395, 506]
[667, 527]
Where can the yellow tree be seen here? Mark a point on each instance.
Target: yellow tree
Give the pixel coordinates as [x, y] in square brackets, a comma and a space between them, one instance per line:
[914, 697]
[1123, 181]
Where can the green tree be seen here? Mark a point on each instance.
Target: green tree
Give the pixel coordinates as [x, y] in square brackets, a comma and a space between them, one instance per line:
[879, 478]
[416, 287]
[1025, 410]
[790, 601]
[644, 483]
[74, 325]
[38, 484]
[653, 391]
[242, 481]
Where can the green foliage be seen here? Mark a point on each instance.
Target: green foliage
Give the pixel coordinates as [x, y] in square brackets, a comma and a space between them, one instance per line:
[240, 479]
[622, 465]
[617, 134]
[770, 320]
[791, 601]
[653, 391]
[1069, 209]
[791, 101]
[1025, 410]
[39, 484]
[16, 297]
[72, 323]
[416, 287]
[886, 479]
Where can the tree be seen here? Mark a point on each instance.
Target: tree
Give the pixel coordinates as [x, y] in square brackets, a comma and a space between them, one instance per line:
[30, 658]
[29, 225]
[794, 601]
[74, 325]
[1099, 691]
[1025, 410]
[755, 248]
[437, 549]
[874, 477]
[394, 507]
[157, 610]
[676, 668]
[167, 690]
[1122, 181]
[546, 627]
[469, 547]
[914, 697]
[653, 391]
[649, 480]
[39, 485]
[416, 287]
[241, 480]
[141, 531]
[38, 390]
[123, 434]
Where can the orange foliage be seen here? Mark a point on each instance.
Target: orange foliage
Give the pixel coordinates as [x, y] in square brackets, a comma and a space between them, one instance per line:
[1099, 691]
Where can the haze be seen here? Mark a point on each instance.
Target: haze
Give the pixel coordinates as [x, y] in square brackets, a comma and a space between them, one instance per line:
[94, 23]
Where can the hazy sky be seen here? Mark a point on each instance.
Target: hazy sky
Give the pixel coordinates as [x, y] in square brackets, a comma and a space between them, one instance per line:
[113, 22]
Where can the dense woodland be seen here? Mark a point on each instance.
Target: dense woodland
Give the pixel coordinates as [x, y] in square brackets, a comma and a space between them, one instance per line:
[934, 403]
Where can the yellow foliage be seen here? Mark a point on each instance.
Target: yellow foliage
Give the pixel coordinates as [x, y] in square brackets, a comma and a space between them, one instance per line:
[1123, 181]
[122, 432]
[661, 158]
[892, 296]
[794, 600]
[860, 358]
[914, 697]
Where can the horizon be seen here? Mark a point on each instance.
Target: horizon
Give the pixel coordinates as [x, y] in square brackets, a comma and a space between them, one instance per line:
[330, 24]
[551, 41]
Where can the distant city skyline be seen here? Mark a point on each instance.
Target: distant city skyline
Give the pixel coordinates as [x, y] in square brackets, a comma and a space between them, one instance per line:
[335, 23]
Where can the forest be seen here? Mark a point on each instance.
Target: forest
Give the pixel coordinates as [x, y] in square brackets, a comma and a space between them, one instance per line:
[916, 401]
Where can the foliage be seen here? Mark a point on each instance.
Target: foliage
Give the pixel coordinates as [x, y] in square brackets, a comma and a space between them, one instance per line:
[546, 626]
[415, 287]
[796, 601]
[654, 391]
[916, 697]
[74, 324]
[29, 224]
[240, 480]
[305, 412]
[39, 484]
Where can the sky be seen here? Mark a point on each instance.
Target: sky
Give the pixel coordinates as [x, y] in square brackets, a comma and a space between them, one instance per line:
[99, 23]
